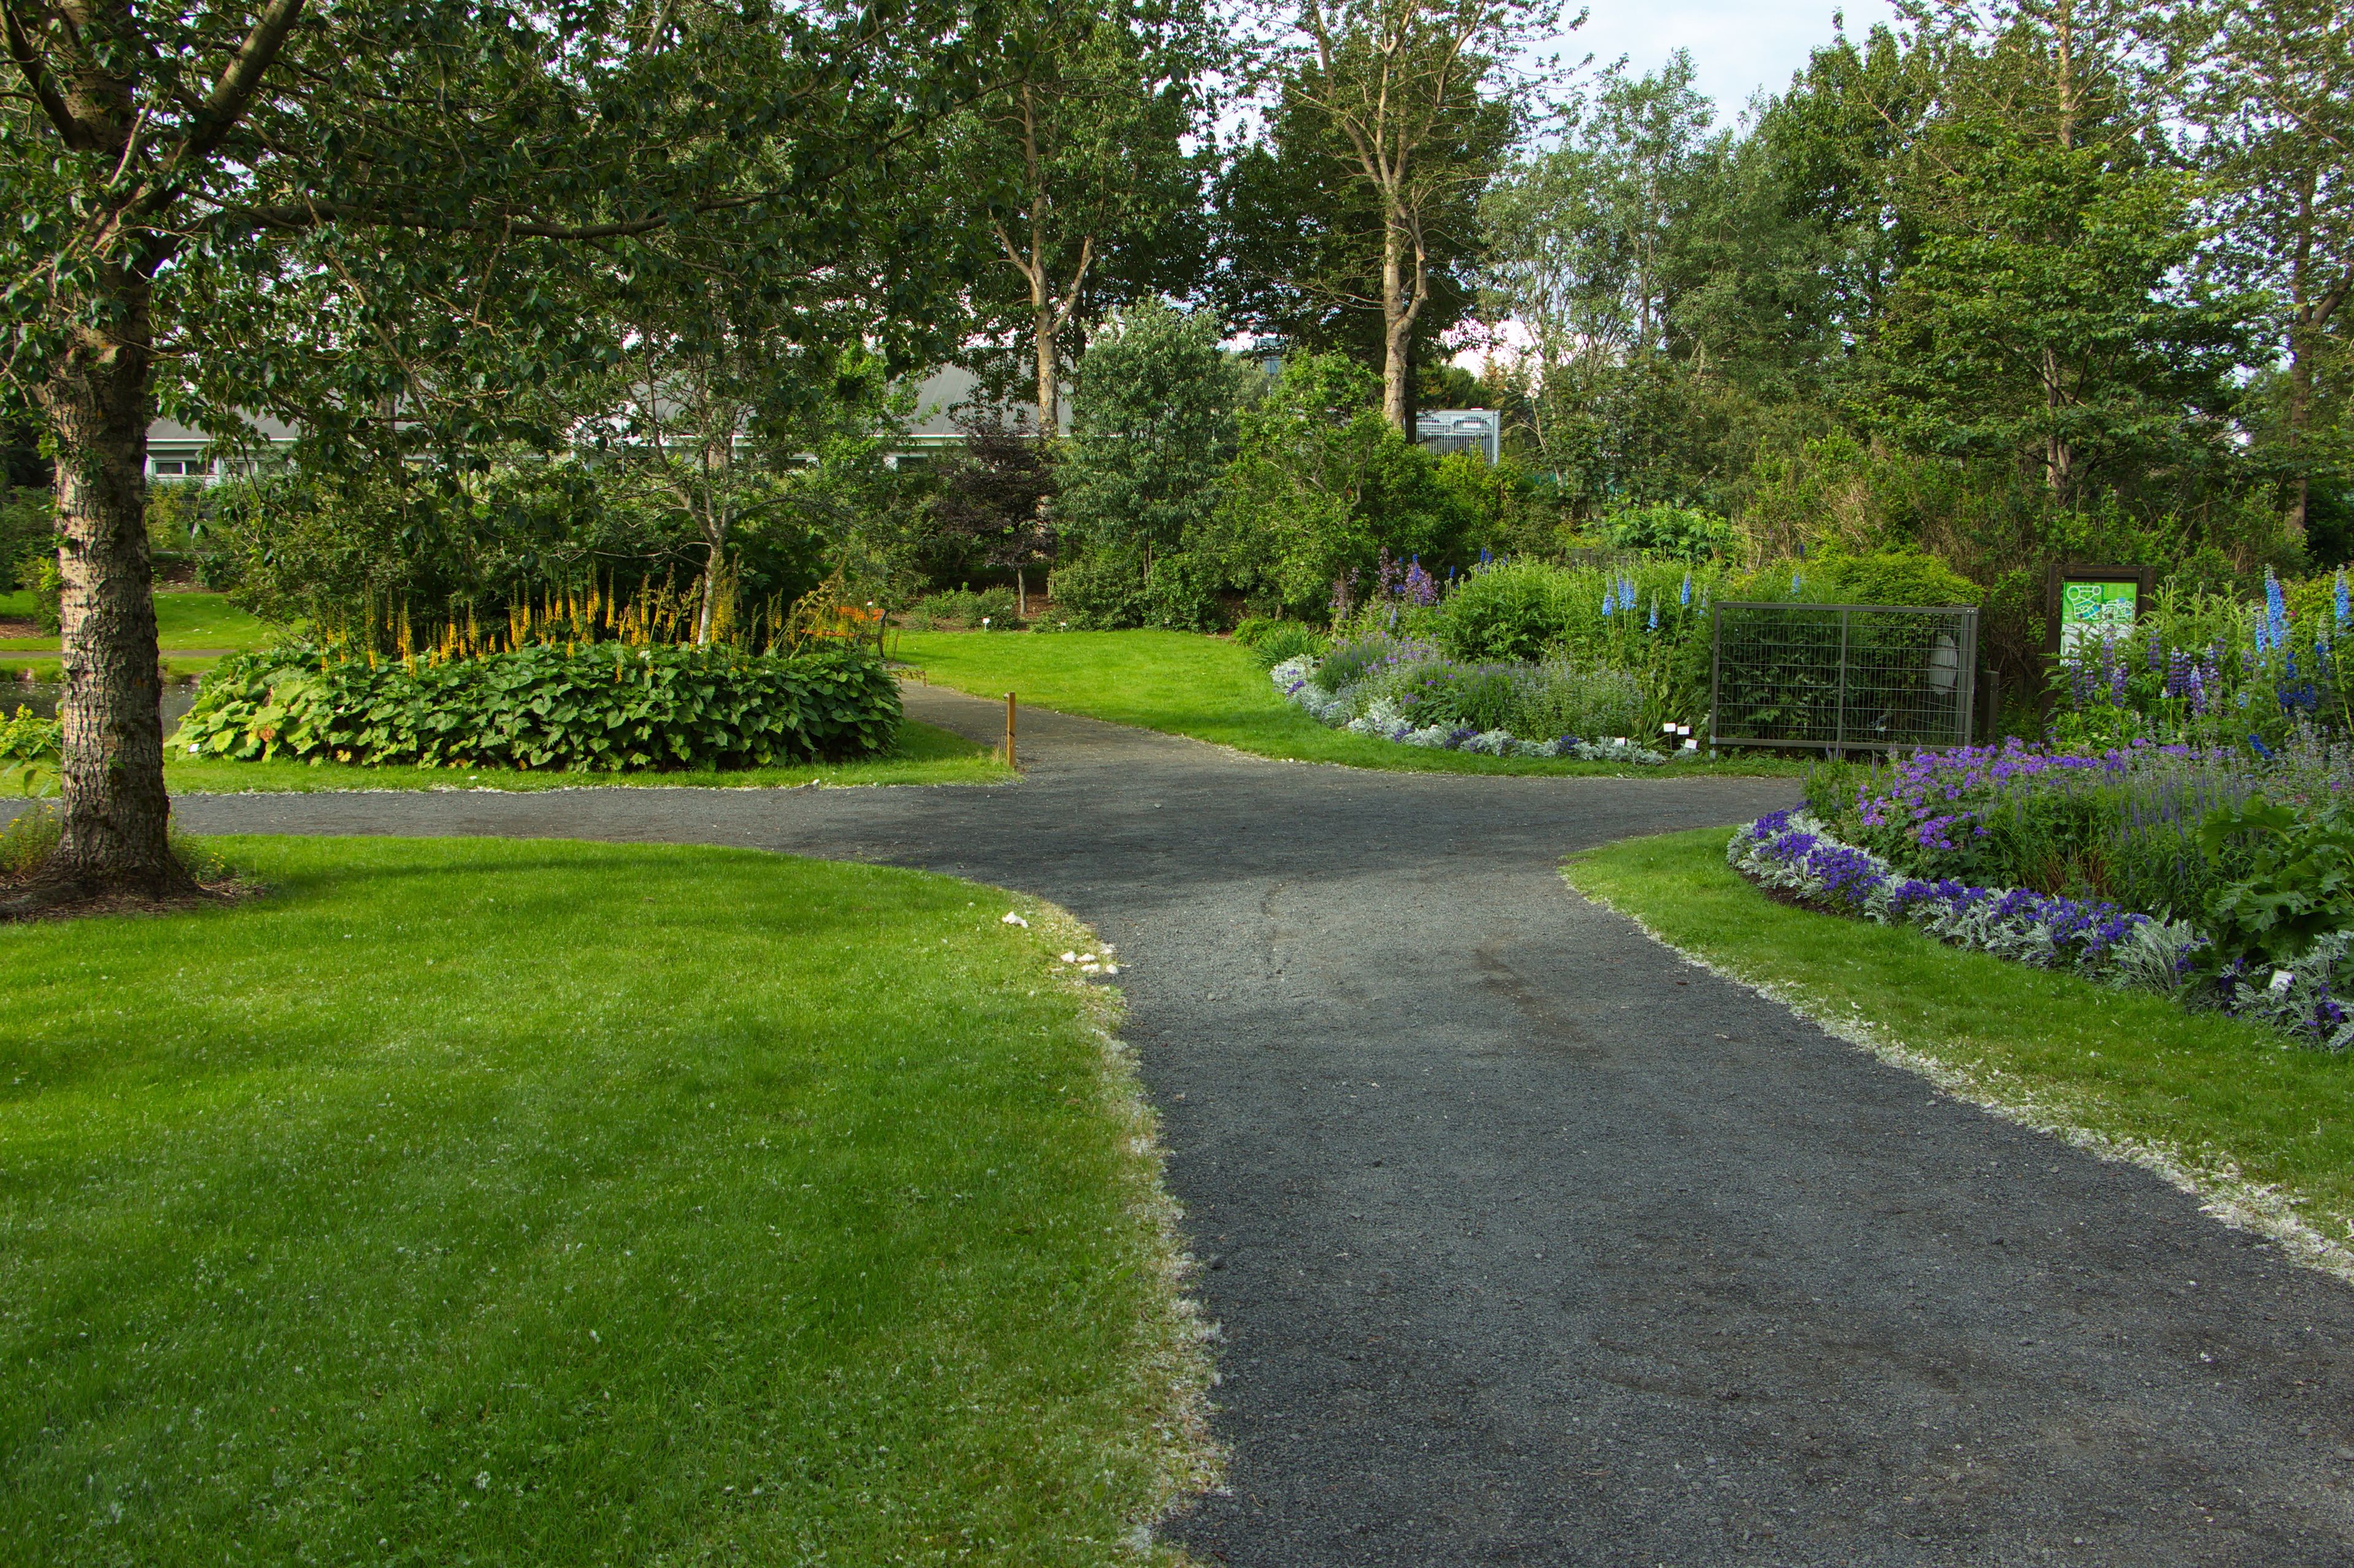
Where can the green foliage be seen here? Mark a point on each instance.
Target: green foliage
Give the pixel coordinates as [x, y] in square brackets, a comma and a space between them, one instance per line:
[1152, 430]
[1113, 589]
[2300, 885]
[1497, 507]
[24, 738]
[1892, 576]
[1100, 591]
[604, 707]
[1509, 612]
[27, 840]
[1533, 701]
[48, 587]
[1321, 485]
[963, 609]
[27, 532]
[1273, 641]
[1680, 533]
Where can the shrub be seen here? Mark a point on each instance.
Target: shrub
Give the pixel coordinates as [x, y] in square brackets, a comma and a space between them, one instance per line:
[1102, 590]
[1273, 641]
[1180, 594]
[604, 707]
[1152, 429]
[1897, 577]
[49, 595]
[27, 532]
[1110, 591]
[24, 738]
[1321, 485]
[1507, 612]
[1680, 533]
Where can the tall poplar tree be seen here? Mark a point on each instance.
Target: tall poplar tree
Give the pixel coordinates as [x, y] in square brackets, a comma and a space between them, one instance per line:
[2276, 101]
[1399, 88]
[1085, 171]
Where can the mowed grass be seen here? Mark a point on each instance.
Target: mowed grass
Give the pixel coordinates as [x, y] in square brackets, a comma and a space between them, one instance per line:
[1207, 687]
[185, 619]
[925, 754]
[482, 1201]
[2126, 1065]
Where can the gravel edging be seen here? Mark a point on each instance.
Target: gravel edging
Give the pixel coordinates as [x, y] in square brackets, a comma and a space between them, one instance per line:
[2222, 1192]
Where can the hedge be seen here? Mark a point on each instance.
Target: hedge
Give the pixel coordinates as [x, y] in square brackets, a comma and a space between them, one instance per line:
[602, 707]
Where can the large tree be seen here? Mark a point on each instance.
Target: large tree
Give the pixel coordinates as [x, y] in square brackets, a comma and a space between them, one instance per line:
[2058, 310]
[369, 218]
[1300, 248]
[1085, 170]
[2277, 101]
[1406, 97]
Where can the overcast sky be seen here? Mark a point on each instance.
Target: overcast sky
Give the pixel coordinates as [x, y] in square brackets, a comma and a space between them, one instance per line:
[1739, 45]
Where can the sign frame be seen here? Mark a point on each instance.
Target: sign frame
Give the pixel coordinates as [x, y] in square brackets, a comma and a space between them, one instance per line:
[2143, 578]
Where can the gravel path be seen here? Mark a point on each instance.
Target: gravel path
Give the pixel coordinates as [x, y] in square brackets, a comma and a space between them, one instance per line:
[1533, 1244]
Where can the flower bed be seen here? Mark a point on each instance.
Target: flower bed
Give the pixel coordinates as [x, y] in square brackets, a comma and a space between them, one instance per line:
[1370, 705]
[1795, 854]
[603, 705]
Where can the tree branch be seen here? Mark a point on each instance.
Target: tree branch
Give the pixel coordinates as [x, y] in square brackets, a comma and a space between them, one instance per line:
[29, 63]
[234, 92]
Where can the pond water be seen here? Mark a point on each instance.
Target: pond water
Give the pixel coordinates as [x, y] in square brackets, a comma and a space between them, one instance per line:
[41, 696]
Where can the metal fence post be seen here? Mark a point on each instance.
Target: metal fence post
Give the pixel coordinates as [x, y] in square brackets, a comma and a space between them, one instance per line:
[1838, 725]
[1969, 671]
[1715, 669]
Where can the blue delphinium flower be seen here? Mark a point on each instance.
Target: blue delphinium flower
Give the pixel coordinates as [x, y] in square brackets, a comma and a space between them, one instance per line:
[1655, 615]
[1683, 598]
[2344, 605]
[1609, 598]
[1798, 579]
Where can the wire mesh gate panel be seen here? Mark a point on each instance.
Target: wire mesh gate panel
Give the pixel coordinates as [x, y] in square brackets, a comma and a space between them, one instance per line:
[1843, 677]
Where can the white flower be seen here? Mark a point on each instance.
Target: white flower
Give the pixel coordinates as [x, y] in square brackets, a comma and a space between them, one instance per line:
[1011, 918]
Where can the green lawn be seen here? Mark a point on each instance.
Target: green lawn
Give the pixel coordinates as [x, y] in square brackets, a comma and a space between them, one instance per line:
[477, 1201]
[1206, 687]
[926, 755]
[2225, 1099]
[184, 617]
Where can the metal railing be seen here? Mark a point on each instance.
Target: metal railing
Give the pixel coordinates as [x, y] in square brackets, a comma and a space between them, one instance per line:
[1843, 677]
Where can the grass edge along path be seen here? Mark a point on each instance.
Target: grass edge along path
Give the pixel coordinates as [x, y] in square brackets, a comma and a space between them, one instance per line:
[923, 753]
[1212, 689]
[517, 1202]
[2260, 1134]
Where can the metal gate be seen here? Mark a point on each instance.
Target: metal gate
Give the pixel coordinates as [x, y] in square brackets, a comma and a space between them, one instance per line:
[1843, 677]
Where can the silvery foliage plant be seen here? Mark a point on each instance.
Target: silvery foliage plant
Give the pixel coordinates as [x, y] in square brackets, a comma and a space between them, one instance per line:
[1362, 712]
[1795, 853]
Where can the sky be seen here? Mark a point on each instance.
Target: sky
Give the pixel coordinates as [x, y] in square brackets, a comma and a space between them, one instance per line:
[1738, 46]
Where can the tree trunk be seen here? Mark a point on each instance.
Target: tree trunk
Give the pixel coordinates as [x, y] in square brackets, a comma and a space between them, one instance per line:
[1048, 390]
[1397, 331]
[116, 812]
[2300, 412]
[712, 559]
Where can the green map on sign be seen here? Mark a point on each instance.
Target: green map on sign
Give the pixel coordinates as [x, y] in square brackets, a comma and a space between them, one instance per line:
[2094, 612]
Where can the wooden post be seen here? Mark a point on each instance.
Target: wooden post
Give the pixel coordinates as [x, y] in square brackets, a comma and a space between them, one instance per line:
[1009, 729]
